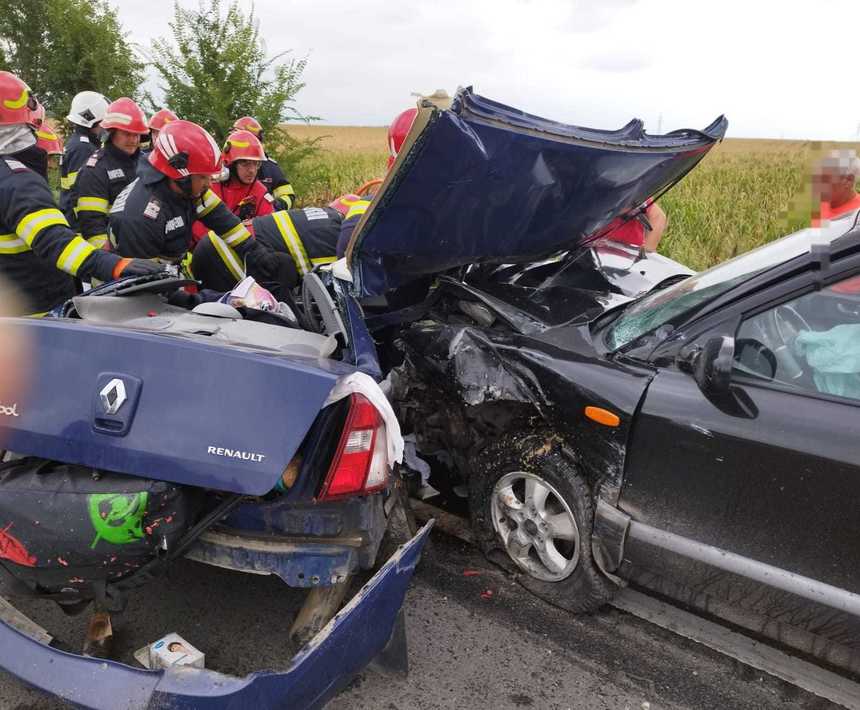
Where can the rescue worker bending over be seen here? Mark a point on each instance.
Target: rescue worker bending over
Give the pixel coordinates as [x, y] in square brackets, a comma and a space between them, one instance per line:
[87, 111]
[270, 174]
[39, 254]
[109, 170]
[158, 121]
[152, 217]
[244, 195]
[307, 237]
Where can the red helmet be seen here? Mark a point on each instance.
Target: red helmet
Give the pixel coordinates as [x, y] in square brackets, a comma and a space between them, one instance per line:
[49, 141]
[183, 148]
[16, 101]
[344, 202]
[397, 132]
[248, 123]
[161, 118]
[37, 115]
[242, 145]
[125, 115]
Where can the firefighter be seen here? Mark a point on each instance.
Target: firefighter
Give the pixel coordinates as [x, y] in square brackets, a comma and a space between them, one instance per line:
[46, 137]
[270, 175]
[153, 217]
[39, 254]
[242, 192]
[158, 121]
[107, 171]
[87, 111]
[307, 237]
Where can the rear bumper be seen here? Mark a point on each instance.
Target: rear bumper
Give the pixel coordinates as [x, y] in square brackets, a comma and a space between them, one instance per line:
[355, 636]
[305, 544]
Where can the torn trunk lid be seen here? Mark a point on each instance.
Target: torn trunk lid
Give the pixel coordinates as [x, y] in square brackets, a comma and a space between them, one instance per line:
[484, 182]
[170, 408]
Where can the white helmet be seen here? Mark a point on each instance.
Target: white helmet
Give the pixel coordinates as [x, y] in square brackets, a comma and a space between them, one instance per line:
[88, 108]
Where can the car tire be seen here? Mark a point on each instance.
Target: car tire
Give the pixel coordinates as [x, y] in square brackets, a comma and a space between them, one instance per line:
[548, 542]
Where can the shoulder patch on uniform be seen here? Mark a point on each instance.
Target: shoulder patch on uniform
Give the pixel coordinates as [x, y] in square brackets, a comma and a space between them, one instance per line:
[268, 196]
[116, 174]
[152, 209]
[174, 223]
[312, 213]
[84, 139]
[16, 166]
[92, 160]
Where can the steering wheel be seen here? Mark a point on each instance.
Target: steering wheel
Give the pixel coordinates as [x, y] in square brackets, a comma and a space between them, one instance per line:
[786, 324]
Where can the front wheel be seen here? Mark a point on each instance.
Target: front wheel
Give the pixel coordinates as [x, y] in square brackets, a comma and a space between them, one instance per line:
[530, 505]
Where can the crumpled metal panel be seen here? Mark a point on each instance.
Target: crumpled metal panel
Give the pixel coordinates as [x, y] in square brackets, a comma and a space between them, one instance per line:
[487, 182]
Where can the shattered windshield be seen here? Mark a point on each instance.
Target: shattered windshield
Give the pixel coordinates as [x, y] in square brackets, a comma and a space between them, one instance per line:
[662, 307]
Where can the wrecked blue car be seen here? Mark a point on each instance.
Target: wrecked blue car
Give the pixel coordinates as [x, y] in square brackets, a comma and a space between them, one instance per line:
[263, 443]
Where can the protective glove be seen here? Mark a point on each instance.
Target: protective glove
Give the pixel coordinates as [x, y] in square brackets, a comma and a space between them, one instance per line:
[136, 267]
[268, 266]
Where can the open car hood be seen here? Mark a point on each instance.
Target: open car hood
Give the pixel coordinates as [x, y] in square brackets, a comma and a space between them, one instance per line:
[484, 182]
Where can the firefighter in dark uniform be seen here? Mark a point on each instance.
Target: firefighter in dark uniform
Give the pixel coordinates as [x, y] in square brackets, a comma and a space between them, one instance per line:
[307, 237]
[87, 111]
[152, 217]
[39, 254]
[270, 173]
[109, 170]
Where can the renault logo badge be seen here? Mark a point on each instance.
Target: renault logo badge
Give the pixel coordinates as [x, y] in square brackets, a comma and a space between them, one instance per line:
[113, 396]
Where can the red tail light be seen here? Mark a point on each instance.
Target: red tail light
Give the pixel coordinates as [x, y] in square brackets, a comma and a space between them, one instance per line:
[359, 464]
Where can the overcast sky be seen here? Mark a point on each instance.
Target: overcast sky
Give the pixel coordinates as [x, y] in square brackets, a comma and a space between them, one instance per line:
[776, 69]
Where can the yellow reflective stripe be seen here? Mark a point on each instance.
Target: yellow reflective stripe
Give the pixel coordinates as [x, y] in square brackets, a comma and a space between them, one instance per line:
[237, 235]
[185, 264]
[40, 314]
[98, 240]
[228, 256]
[68, 182]
[73, 255]
[93, 204]
[12, 244]
[324, 260]
[20, 102]
[283, 190]
[359, 208]
[208, 202]
[293, 241]
[30, 227]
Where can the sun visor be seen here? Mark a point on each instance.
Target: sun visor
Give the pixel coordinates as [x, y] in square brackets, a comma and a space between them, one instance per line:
[484, 182]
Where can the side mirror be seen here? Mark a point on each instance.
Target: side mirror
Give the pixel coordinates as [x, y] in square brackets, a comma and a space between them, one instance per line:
[712, 368]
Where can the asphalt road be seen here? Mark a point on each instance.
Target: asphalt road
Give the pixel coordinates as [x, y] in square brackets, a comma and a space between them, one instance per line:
[467, 649]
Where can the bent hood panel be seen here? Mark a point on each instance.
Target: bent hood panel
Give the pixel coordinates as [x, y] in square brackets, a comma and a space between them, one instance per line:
[195, 414]
[484, 182]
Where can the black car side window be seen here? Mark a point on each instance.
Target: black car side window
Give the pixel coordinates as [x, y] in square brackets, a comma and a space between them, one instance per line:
[811, 343]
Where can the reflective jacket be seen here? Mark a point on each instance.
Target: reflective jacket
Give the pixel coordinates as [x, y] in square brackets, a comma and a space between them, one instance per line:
[308, 236]
[277, 184]
[39, 254]
[79, 147]
[149, 220]
[244, 201]
[104, 176]
[350, 221]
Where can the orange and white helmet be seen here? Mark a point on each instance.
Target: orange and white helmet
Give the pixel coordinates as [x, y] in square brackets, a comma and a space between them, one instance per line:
[48, 140]
[183, 148]
[242, 145]
[16, 102]
[161, 118]
[397, 132]
[125, 115]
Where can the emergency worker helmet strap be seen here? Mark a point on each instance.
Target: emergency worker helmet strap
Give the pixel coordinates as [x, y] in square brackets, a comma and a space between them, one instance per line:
[17, 103]
[125, 115]
[242, 145]
[88, 108]
[183, 149]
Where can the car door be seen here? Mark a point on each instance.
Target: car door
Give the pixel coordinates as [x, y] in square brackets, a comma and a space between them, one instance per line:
[769, 473]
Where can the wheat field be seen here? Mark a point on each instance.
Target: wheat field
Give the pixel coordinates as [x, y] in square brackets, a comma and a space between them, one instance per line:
[743, 194]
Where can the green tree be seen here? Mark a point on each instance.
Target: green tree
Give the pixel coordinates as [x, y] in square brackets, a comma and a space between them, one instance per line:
[61, 47]
[216, 69]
